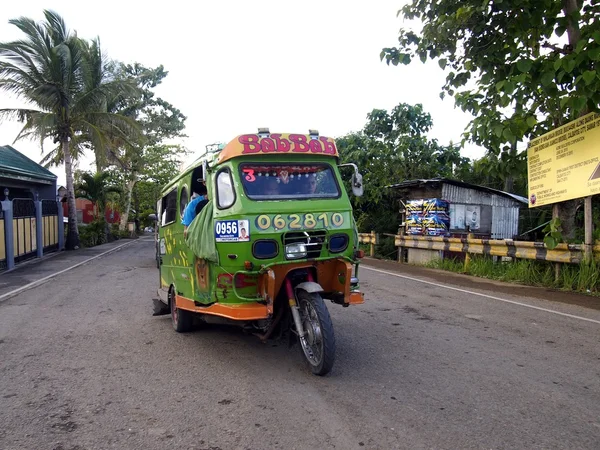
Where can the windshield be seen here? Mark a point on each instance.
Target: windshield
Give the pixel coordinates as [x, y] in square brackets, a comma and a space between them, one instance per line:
[288, 181]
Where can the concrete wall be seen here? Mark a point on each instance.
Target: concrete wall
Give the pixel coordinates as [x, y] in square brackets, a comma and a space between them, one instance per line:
[422, 256]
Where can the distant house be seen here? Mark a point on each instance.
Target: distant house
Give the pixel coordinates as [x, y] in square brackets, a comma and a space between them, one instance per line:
[483, 211]
[85, 209]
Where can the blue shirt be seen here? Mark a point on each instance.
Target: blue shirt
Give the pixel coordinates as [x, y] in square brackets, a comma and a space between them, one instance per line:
[190, 210]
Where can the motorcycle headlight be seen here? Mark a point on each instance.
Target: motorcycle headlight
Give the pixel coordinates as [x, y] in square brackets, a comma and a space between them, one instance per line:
[295, 251]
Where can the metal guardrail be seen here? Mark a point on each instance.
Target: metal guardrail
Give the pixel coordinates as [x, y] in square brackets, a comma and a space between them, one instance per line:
[369, 238]
[563, 253]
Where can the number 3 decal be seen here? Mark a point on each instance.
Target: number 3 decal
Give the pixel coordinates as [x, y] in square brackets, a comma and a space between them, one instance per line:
[250, 175]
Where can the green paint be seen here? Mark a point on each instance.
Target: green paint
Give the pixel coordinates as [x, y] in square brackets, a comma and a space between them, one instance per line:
[330, 215]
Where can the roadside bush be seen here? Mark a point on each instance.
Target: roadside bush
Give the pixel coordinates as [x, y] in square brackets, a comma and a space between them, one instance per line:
[386, 248]
[93, 234]
[124, 234]
[115, 234]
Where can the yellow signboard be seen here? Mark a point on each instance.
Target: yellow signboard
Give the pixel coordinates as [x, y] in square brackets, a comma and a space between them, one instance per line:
[565, 163]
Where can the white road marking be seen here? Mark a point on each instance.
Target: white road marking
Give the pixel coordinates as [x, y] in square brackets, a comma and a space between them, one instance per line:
[525, 305]
[48, 277]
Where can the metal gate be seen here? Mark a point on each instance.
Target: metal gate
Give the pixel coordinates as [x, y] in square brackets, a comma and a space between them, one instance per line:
[24, 229]
[49, 225]
[2, 241]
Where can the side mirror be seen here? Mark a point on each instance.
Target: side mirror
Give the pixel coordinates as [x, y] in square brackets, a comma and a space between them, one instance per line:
[152, 217]
[357, 184]
[356, 181]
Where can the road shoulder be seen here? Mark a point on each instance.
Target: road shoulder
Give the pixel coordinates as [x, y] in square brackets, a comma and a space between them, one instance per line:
[493, 286]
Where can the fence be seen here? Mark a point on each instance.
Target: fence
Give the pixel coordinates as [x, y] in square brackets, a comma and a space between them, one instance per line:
[50, 225]
[24, 229]
[2, 241]
[28, 229]
[563, 253]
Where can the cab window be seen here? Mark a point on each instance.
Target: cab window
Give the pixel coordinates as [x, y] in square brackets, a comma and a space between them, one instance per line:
[197, 184]
[183, 200]
[169, 208]
[288, 181]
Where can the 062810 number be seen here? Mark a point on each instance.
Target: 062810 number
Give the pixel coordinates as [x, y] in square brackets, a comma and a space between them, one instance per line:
[299, 221]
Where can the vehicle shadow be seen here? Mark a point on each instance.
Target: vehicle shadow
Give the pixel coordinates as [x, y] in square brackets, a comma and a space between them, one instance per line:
[236, 349]
[360, 349]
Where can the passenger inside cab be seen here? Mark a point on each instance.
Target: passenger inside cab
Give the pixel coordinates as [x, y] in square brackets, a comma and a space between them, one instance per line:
[193, 208]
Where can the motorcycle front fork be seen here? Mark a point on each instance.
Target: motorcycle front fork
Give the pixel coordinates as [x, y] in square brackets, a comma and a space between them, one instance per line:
[294, 306]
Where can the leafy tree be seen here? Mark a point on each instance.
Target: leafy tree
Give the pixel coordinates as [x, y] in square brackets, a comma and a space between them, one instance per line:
[145, 196]
[162, 164]
[51, 69]
[158, 165]
[393, 147]
[505, 172]
[509, 65]
[160, 121]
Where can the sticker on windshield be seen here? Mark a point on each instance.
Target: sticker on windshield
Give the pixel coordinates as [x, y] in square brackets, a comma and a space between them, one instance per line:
[232, 231]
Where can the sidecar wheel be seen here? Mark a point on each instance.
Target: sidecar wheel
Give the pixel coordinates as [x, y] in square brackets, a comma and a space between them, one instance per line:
[318, 345]
[181, 319]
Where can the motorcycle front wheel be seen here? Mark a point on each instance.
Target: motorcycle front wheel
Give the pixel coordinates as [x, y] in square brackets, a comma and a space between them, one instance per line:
[318, 343]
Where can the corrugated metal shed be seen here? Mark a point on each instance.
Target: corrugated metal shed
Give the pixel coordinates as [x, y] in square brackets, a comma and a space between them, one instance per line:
[458, 194]
[505, 222]
[486, 211]
[436, 182]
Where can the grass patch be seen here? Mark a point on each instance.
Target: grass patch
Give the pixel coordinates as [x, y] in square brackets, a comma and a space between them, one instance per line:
[589, 278]
[448, 264]
[583, 277]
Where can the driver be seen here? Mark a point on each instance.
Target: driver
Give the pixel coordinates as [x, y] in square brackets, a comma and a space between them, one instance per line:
[312, 184]
[271, 186]
[308, 185]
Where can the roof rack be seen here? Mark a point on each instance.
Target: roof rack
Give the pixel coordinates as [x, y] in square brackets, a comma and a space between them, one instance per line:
[214, 148]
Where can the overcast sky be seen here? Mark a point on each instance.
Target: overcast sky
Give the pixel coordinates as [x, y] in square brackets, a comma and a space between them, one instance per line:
[238, 65]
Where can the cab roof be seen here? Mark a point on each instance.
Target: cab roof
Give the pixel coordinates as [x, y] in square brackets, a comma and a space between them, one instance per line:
[266, 143]
[263, 143]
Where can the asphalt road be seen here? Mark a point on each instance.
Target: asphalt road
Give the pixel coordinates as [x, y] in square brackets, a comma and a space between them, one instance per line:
[84, 365]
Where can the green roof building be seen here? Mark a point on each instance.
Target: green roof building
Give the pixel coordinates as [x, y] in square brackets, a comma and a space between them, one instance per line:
[23, 177]
[30, 218]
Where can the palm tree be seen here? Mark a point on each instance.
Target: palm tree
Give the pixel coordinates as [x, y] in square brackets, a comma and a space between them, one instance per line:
[96, 189]
[101, 131]
[57, 74]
